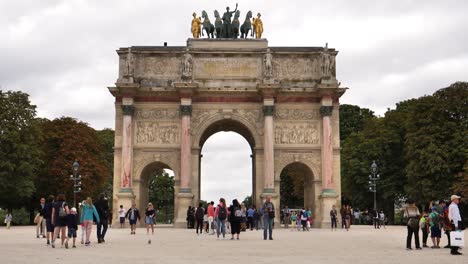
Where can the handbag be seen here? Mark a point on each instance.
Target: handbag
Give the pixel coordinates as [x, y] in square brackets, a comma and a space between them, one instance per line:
[36, 219]
[457, 239]
[271, 214]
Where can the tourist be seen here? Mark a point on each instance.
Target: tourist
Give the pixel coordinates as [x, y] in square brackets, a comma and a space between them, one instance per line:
[88, 214]
[286, 216]
[83, 227]
[382, 218]
[133, 215]
[205, 222]
[298, 220]
[333, 216]
[250, 217]
[235, 218]
[424, 226]
[357, 217]
[211, 214]
[343, 216]
[348, 215]
[243, 217]
[8, 219]
[102, 207]
[190, 217]
[40, 227]
[60, 211]
[72, 224]
[411, 212]
[199, 217]
[293, 219]
[456, 220]
[150, 214]
[221, 215]
[376, 219]
[446, 221]
[255, 217]
[260, 218]
[310, 221]
[436, 222]
[122, 216]
[304, 218]
[48, 218]
[268, 217]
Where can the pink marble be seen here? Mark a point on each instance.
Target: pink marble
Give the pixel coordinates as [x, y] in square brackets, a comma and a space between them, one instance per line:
[185, 153]
[268, 163]
[327, 154]
[127, 152]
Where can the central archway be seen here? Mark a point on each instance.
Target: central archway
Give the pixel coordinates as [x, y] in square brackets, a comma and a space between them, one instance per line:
[228, 125]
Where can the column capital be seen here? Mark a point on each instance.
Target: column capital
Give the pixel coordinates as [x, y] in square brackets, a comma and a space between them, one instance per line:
[326, 110]
[186, 110]
[268, 110]
[128, 110]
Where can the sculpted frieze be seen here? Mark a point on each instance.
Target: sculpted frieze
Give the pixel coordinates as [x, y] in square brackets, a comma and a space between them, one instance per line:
[297, 134]
[157, 133]
[297, 68]
[297, 114]
[159, 67]
[156, 113]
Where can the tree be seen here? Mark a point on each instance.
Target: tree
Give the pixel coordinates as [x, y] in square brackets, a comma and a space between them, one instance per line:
[352, 119]
[161, 194]
[248, 201]
[106, 138]
[65, 140]
[19, 152]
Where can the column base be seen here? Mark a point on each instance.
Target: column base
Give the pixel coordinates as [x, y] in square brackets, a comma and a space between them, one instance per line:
[328, 198]
[184, 199]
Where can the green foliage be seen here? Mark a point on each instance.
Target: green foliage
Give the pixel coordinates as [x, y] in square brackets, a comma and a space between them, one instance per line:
[248, 201]
[352, 119]
[289, 194]
[20, 216]
[161, 194]
[106, 138]
[19, 152]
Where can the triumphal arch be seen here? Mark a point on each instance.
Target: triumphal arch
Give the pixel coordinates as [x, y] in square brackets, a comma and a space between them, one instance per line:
[283, 100]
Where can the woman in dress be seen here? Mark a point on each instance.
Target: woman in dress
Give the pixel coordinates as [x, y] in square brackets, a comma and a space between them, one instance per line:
[235, 218]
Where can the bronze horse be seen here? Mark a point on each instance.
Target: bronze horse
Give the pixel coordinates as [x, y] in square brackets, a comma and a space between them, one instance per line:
[218, 24]
[207, 26]
[247, 25]
[235, 25]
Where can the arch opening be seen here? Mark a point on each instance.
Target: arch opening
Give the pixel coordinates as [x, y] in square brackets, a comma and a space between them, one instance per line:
[157, 187]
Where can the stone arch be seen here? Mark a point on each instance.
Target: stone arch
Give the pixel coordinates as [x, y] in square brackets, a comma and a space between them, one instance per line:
[144, 159]
[311, 160]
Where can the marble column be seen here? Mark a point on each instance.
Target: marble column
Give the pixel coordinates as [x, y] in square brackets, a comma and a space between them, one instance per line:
[268, 147]
[127, 143]
[327, 147]
[185, 148]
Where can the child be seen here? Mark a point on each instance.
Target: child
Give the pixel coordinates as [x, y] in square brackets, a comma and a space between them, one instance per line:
[122, 216]
[72, 224]
[293, 219]
[8, 219]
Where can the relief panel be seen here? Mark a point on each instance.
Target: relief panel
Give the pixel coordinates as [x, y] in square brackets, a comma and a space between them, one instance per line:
[297, 133]
[155, 133]
[227, 68]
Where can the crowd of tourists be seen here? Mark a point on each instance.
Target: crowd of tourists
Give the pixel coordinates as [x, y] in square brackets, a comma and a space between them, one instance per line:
[439, 216]
[232, 219]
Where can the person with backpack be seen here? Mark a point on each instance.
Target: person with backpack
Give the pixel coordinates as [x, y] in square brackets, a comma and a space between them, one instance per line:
[133, 215]
[88, 213]
[221, 215]
[411, 212]
[436, 222]
[102, 207]
[60, 211]
[199, 213]
[235, 218]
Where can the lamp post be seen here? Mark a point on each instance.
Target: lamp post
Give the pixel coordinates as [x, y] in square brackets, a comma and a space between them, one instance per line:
[373, 182]
[76, 178]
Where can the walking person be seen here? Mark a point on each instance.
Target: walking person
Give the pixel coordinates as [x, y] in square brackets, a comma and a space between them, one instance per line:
[199, 213]
[286, 216]
[60, 211]
[456, 220]
[250, 217]
[348, 215]
[382, 218]
[211, 214]
[102, 207]
[221, 215]
[88, 214]
[48, 218]
[260, 218]
[122, 216]
[333, 216]
[72, 225]
[436, 222]
[150, 215]
[268, 217]
[243, 217]
[133, 215]
[235, 218]
[411, 212]
[40, 227]
[8, 219]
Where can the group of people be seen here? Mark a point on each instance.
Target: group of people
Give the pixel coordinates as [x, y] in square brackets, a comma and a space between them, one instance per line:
[441, 216]
[235, 218]
[61, 220]
[301, 219]
[133, 216]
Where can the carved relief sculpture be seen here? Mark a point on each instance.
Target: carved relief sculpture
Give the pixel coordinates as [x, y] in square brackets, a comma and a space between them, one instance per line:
[327, 62]
[156, 133]
[296, 134]
[187, 71]
[129, 63]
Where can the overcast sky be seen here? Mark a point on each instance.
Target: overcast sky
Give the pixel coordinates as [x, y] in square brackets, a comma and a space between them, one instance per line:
[63, 52]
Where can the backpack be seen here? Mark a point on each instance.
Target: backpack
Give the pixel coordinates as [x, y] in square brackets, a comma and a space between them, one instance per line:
[62, 213]
[437, 220]
[221, 212]
[237, 212]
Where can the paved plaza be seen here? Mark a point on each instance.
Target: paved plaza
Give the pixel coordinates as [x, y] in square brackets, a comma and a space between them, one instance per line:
[359, 245]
